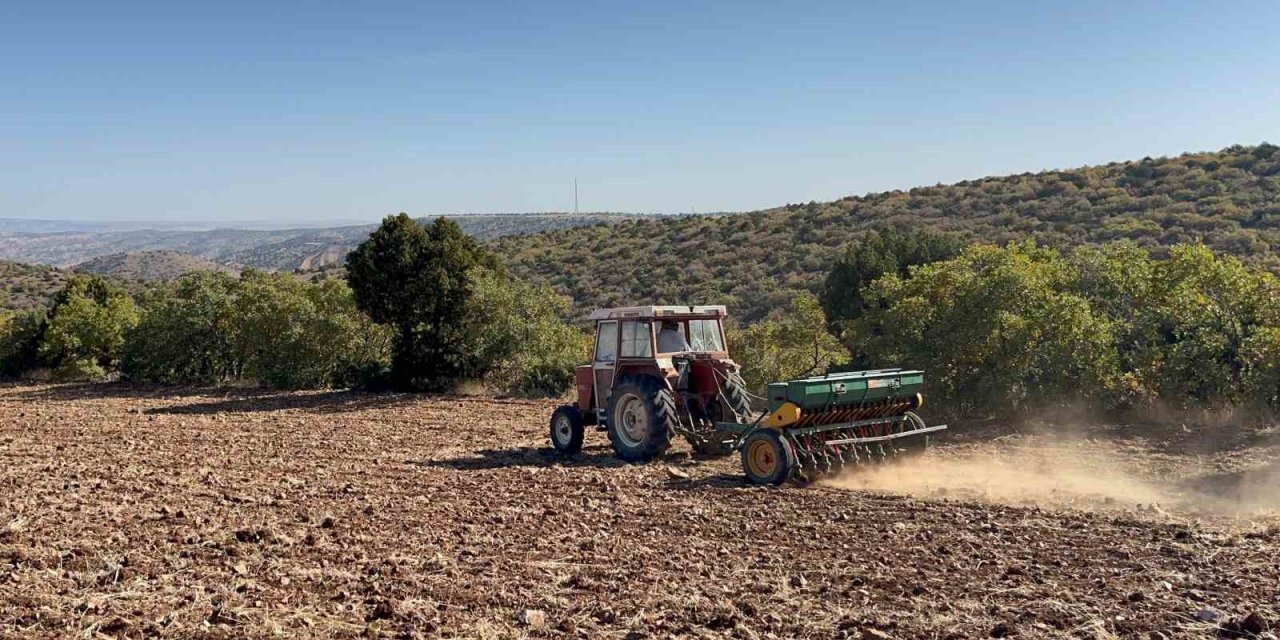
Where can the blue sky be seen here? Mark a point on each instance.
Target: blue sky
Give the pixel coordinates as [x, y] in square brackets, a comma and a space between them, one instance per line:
[320, 112]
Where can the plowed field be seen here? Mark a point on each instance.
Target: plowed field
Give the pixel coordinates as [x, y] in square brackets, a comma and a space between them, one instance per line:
[138, 513]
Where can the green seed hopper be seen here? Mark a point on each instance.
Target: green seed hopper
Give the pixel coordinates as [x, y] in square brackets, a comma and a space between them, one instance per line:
[822, 424]
[846, 389]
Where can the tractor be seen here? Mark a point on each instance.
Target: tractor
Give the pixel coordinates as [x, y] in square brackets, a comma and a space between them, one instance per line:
[662, 371]
[657, 372]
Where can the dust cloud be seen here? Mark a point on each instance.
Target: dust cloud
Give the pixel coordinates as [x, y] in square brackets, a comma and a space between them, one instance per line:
[1087, 475]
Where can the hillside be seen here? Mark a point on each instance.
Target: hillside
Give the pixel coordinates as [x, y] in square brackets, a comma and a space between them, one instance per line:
[756, 261]
[28, 286]
[285, 249]
[149, 266]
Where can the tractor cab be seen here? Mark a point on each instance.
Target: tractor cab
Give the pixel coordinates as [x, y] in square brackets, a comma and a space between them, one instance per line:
[638, 340]
[658, 371]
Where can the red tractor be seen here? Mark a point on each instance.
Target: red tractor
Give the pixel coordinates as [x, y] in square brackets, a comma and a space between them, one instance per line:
[657, 372]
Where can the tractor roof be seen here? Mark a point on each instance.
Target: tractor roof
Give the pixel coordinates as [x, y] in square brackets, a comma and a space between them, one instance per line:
[669, 311]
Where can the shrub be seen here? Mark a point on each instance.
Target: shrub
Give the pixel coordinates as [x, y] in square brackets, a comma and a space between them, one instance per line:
[86, 328]
[20, 335]
[793, 346]
[186, 334]
[528, 348]
[999, 328]
[995, 328]
[294, 335]
[211, 328]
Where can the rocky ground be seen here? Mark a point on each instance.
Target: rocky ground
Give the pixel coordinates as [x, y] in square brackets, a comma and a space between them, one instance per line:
[134, 513]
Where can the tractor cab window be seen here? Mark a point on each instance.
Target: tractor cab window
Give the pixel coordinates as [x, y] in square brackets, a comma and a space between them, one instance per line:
[704, 335]
[607, 342]
[636, 339]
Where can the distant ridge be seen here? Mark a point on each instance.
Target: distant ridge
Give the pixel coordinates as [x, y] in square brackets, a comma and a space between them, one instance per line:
[277, 249]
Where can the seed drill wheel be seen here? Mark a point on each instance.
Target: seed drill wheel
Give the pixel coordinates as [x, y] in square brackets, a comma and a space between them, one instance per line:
[642, 417]
[767, 457]
[733, 406]
[566, 429]
[915, 445]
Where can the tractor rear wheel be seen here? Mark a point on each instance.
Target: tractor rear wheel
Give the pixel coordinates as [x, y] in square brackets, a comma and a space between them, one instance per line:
[642, 417]
[767, 457]
[566, 429]
[735, 391]
[732, 405]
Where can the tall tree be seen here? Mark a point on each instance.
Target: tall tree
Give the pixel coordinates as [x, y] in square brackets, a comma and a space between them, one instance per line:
[878, 253]
[417, 279]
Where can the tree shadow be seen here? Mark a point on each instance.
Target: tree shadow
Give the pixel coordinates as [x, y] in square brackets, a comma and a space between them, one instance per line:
[214, 400]
[115, 390]
[319, 402]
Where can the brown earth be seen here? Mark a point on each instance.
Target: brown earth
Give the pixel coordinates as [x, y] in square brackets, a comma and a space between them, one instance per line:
[135, 513]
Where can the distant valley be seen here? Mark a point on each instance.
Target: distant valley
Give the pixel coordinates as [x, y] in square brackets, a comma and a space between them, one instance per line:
[284, 250]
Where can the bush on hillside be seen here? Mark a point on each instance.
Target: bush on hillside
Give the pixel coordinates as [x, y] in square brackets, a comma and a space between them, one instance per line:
[756, 262]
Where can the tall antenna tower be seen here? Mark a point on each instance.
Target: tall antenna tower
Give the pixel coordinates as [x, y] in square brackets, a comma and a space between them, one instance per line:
[575, 196]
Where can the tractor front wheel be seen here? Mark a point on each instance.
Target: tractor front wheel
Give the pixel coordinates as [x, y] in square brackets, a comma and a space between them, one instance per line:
[767, 457]
[566, 429]
[642, 417]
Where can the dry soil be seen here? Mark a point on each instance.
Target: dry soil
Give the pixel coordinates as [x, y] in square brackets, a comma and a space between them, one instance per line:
[145, 512]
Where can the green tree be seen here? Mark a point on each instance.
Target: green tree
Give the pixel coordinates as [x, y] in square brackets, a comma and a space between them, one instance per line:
[996, 328]
[1207, 332]
[20, 335]
[530, 348]
[296, 335]
[878, 253]
[794, 346]
[87, 327]
[418, 280]
[186, 333]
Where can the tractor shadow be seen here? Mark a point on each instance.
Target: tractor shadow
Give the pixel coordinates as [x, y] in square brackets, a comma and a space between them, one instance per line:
[709, 483]
[600, 457]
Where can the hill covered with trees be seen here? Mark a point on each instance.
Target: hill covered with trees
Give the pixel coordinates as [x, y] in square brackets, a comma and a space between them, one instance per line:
[28, 286]
[755, 262]
[149, 266]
